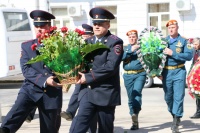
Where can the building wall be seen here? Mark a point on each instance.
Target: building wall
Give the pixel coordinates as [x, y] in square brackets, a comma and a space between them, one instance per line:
[131, 14]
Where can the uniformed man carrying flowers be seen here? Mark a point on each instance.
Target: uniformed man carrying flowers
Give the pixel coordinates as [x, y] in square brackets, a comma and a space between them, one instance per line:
[174, 73]
[134, 77]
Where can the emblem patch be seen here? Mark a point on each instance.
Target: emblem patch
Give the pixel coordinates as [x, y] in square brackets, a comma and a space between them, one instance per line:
[38, 19]
[118, 49]
[178, 50]
[189, 46]
[179, 44]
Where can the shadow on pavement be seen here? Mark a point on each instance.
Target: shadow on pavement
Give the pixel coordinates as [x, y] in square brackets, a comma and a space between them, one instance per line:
[10, 85]
[185, 125]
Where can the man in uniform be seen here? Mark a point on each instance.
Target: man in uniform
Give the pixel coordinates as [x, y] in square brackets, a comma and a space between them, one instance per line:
[174, 73]
[100, 86]
[40, 88]
[134, 77]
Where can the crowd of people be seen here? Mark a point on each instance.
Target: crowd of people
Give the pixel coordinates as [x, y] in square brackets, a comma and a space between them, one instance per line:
[97, 92]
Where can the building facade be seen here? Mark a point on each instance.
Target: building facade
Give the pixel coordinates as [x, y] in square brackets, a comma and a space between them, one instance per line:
[130, 14]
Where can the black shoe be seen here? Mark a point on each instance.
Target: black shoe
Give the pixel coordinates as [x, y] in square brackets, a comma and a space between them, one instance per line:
[28, 119]
[175, 125]
[66, 115]
[134, 126]
[195, 116]
[4, 130]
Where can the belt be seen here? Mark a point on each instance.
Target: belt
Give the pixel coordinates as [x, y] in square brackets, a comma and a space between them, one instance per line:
[174, 67]
[133, 71]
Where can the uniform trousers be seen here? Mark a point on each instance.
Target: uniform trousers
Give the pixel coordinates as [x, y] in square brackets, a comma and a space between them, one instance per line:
[73, 107]
[73, 102]
[174, 88]
[134, 84]
[87, 112]
[49, 119]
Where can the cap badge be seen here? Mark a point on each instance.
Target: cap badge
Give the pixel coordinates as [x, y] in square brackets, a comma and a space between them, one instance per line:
[38, 19]
[96, 16]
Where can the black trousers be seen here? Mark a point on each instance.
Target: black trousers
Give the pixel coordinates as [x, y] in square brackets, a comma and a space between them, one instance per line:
[49, 119]
[86, 114]
[198, 106]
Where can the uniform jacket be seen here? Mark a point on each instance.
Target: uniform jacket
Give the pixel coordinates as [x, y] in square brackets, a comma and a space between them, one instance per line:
[103, 78]
[35, 78]
[130, 59]
[181, 51]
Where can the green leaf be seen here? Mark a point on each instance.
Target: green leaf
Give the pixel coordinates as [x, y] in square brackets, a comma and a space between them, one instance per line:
[92, 47]
[37, 59]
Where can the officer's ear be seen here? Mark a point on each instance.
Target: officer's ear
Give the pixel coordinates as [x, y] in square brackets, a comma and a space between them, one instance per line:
[108, 23]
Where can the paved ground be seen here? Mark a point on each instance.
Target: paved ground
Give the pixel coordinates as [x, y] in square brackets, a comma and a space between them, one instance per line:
[154, 117]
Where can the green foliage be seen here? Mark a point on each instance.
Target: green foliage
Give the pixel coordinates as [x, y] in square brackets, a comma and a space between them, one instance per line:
[152, 44]
[151, 48]
[92, 47]
[63, 52]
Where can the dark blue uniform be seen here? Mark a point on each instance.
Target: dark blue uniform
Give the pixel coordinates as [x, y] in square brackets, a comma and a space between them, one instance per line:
[134, 79]
[174, 74]
[101, 93]
[34, 91]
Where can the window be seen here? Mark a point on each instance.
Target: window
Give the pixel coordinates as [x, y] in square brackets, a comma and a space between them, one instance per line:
[62, 18]
[158, 16]
[16, 21]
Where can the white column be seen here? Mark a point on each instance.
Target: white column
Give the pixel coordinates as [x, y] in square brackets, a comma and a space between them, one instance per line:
[44, 5]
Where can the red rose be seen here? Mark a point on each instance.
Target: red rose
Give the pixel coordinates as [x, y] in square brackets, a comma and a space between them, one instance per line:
[64, 29]
[53, 28]
[80, 32]
[38, 35]
[33, 47]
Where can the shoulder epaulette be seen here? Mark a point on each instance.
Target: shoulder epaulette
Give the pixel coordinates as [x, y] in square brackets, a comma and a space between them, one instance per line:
[28, 41]
[114, 37]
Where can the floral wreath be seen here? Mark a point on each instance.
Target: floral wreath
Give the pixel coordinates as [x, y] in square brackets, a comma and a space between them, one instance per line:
[150, 54]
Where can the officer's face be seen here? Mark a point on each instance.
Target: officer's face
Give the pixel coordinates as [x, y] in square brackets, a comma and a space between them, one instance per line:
[173, 30]
[132, 38]
[41, 29]
[100, 29]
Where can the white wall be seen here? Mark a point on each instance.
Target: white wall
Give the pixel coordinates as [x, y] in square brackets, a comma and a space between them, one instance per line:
[131, 14]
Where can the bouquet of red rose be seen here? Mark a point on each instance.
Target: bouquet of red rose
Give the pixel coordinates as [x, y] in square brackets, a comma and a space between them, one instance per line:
[193, 81]
[63, 51]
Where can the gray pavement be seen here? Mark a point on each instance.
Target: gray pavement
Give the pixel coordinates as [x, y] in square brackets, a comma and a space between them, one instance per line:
[154, 117]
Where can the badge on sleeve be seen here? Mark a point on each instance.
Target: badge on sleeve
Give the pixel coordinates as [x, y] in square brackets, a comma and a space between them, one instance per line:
[118, 49]
[189, 46]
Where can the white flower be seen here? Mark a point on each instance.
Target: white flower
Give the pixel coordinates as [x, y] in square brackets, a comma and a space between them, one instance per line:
[196, 92]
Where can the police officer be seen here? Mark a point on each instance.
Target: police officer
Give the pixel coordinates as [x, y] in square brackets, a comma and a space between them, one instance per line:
[134, 77]
[174, 73]
[73, 102]
[196, 44]
[39, 89]
[100, 86]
